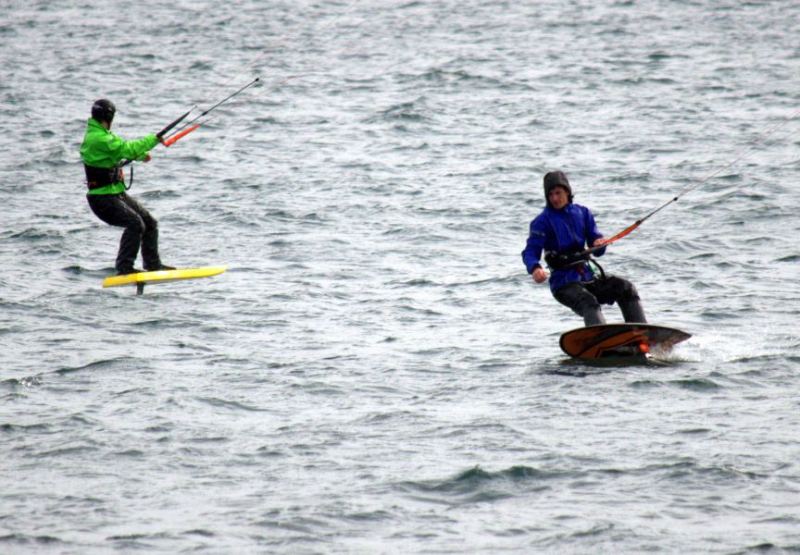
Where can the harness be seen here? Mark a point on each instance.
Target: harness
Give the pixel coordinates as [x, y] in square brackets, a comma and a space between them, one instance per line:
[100, 177]
[575, 259]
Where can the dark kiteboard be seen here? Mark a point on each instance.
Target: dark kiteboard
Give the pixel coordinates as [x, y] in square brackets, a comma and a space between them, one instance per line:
[620, 341]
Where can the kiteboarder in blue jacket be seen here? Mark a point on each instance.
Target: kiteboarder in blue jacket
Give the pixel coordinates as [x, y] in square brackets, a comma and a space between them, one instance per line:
[563, 231]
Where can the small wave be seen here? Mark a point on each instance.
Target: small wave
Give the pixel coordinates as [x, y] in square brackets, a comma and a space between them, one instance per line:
[130, 453]
[13, 383]
[421, 311]
[413, 112]
[661, 55]
[136, 541]
[458, 76]
[234, 405]
[83, 450]
[477, 485]
[697, 384]
[748, 359]
[369, 516]
[98, 364]
[514, 277]
[691, 469]
[573, 368]
[269, 452]
[32, 234]
[785, 519]
[694, 431]
[23, 428]
[77, 270]
[415, 282]
[25, 539]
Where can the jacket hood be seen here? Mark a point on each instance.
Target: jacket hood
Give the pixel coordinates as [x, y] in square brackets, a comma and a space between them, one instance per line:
[555, 179]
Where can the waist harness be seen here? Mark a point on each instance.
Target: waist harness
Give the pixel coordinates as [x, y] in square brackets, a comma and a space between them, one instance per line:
[100, 177]
[567, 260]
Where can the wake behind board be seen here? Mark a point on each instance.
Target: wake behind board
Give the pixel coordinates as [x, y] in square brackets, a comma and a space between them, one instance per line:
[162, 276]
[620, 341]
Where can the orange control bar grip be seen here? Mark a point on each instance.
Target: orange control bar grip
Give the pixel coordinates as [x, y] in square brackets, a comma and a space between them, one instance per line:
[178, 136]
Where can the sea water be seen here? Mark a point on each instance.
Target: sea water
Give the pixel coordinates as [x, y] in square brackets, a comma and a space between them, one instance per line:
[376, 372]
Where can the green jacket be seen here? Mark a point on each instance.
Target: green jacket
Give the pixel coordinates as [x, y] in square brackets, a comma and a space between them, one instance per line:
[103, 149]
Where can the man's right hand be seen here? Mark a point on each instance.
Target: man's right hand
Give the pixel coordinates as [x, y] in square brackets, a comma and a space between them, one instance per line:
[539, 275]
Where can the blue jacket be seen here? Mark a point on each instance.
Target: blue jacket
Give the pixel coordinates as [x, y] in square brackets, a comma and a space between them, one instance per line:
[570, 229]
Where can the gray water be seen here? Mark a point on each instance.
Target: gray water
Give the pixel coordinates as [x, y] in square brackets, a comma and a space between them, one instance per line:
[376, 373]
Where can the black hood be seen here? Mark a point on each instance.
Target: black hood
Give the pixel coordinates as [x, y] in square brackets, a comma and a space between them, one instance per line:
[555, 179]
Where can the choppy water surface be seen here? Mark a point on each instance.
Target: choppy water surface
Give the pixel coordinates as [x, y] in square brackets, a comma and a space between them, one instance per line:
[376, 373]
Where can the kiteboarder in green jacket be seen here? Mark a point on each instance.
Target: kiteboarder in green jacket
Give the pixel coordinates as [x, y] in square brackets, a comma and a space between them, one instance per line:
[103, 154]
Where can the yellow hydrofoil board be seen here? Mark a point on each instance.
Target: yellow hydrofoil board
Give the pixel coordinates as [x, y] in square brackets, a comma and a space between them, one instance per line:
[162, 276]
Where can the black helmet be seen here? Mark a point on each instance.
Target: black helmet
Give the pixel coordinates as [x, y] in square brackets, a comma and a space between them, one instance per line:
[103, 110]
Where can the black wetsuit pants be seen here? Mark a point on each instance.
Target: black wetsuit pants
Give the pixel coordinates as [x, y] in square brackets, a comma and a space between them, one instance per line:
[585, 299]
[141, 229]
